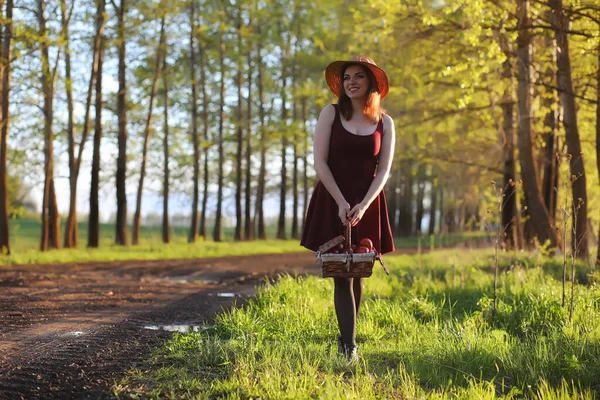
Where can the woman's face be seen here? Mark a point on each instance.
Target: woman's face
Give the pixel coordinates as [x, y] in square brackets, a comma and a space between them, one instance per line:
[356, 82]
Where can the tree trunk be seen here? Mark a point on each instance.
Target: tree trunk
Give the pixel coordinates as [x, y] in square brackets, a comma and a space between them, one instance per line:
[70, 239]
[240, 134]
[420, 198]
[432, 209]
[71, 231]
[50, 219]
[539, 215]
[138, 206]
[205, 145]
[509, 219]
[260, 191]
[284, 144]
[248, 221]
[304, 162]
[295, 233]
[598, 139]
[217, 231]
[567, 100]
[5, 92]
[194, 124]
[392, 197]
[442, 209]
[405, 222]
[165, 219]
[550, 177]
[94, 223]
[121, 236]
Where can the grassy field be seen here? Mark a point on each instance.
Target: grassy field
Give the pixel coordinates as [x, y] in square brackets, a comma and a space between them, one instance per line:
[425, 333]
[25, 236]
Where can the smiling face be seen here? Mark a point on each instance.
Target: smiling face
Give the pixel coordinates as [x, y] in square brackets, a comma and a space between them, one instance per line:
[356, 82]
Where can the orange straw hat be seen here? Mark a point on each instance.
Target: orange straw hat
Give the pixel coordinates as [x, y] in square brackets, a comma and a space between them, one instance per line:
[333, 74]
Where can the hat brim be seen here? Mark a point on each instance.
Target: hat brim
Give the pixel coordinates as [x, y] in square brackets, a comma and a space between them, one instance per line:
[333, 78]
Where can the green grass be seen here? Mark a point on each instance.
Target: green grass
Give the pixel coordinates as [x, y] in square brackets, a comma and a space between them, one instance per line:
[25, 246]
[424, 333]
[25, 236]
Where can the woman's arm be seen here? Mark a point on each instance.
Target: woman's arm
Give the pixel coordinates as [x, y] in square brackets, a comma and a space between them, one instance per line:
[321, 153]
[386, 155]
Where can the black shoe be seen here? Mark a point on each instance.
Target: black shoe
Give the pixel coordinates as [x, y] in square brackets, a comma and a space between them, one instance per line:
[349, 351]
[341, 346]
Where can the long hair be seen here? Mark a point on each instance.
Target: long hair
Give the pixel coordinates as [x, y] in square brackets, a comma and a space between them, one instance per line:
[373, 110]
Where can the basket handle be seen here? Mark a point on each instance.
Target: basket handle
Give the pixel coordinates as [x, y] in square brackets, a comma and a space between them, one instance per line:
[347, 237]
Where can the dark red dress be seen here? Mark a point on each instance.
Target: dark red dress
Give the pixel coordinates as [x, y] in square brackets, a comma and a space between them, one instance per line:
[353, 162]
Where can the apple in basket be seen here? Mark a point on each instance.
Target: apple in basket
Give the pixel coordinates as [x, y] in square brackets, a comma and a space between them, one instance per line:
[362, 249]
[366, 242]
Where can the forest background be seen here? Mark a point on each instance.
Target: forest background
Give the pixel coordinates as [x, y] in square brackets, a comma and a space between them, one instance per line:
[208, 107]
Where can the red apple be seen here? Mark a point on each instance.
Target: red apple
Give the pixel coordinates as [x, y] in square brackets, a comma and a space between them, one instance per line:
[353, 247]
[340, 247]
[334, 251]
[363, 249]
[366, 242]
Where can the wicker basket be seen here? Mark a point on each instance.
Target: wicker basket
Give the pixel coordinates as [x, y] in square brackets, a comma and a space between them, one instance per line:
[347, 264]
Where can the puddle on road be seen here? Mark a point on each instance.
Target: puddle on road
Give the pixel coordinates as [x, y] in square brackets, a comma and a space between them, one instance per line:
[184, 281]
[226, 294]
[178, 280]
[181, 328]
[206, 281]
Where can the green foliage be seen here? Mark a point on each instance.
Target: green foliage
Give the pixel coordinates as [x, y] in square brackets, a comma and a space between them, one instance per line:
[420, 334]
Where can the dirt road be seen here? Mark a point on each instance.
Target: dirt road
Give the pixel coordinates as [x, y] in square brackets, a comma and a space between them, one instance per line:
[69, 331]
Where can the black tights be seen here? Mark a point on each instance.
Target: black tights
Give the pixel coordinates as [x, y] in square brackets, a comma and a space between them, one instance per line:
[347, 297]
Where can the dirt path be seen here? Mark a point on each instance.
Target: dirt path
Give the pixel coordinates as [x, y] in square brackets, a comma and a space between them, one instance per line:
[68, 331]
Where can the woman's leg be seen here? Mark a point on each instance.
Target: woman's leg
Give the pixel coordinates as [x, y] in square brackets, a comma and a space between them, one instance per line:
[345, 309]
[357, 288]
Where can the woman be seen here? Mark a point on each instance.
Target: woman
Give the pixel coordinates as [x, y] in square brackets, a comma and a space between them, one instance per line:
[353, 151]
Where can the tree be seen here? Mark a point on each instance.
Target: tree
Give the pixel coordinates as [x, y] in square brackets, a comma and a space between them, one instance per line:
[567, 100]
[550, 101]
[71, 225]
[540, 220]
[421, 181]
[121, 237]
[194, 124]
[598, 134]
[217, 230]
[432, 207]
[405, 225]
[205, 145]
[50, 236]
[239, 128]
[94, 223]
[4, 93]
[295, 139]
[147, 132]
[248, 221]
[165, 75]
[284, 142]
[260, 191]
[509, 219]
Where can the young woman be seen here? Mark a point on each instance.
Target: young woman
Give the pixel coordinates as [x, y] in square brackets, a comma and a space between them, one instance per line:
[353, 150]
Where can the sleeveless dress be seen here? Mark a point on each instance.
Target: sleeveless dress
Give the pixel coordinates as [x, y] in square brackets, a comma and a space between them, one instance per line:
[353, 162]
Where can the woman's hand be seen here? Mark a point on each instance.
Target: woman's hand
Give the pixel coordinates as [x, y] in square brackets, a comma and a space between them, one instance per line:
[344, 209]
[357, 212]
